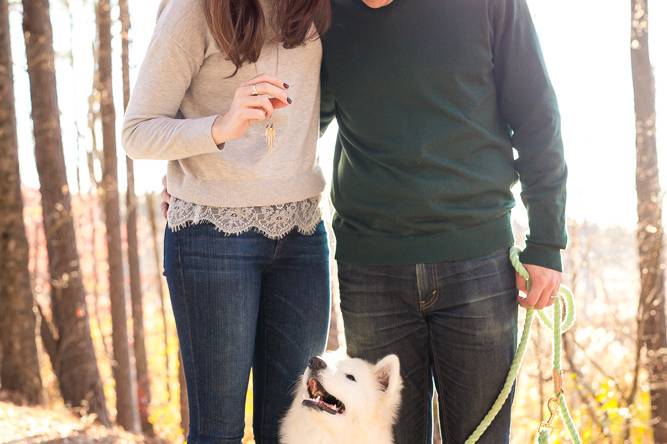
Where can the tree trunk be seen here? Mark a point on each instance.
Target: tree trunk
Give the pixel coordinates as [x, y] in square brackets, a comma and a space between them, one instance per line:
[122, 366]
[152, 220]
[95, 185]
[139, 342]
[19, 371]
[183, 398]
[437, 436]
[68, 341]
[651, 313]
[333, 340]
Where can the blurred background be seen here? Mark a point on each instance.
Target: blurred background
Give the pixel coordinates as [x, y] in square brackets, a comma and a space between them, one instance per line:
[90, 333]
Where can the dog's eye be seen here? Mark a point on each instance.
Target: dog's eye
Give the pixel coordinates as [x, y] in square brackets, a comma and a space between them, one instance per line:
[351, 377]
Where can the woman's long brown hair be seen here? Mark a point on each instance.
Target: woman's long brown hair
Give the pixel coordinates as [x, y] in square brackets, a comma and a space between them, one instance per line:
[238, 26]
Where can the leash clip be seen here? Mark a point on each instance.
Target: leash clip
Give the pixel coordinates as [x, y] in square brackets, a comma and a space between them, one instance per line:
[552, 404]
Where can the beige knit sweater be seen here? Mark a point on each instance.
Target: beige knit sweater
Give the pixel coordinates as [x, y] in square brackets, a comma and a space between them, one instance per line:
[183, 86]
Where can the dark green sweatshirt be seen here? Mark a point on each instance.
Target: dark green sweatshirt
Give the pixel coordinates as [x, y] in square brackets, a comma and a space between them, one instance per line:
[430, 98]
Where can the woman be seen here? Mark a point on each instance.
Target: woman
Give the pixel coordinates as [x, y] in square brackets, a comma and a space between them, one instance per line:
[229, 95]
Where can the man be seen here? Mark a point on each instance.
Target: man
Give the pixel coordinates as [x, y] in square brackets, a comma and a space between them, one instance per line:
[430, 98]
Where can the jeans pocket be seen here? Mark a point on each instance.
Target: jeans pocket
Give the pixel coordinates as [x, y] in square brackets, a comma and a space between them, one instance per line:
[479, 279]
[170, 251]
[475, 268]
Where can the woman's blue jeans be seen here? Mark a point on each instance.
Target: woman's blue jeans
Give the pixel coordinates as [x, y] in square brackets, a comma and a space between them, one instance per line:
[243, 302]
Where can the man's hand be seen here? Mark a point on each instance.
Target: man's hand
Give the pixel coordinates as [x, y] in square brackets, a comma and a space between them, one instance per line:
[164, 205]
[544, 285]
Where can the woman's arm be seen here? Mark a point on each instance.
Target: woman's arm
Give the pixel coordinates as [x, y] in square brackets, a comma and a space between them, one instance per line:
[150, 129]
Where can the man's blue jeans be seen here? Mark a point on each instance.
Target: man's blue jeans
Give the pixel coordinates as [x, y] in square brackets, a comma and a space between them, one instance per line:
[240, 302]
[454, 323]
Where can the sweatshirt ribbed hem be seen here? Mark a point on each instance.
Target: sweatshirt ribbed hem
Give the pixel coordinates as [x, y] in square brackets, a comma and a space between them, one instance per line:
[440, 247]
[252, 193]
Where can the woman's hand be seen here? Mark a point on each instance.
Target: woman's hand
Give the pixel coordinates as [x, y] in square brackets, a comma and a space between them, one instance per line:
[254, 101]
[166, 197]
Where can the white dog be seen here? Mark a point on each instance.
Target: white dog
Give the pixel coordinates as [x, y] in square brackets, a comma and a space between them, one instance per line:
[341, 400]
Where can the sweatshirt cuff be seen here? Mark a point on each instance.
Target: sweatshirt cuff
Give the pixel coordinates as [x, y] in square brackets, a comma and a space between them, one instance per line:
[544, 256]
[205, 135]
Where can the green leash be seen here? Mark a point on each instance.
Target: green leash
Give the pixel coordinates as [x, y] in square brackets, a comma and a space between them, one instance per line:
[559, 325]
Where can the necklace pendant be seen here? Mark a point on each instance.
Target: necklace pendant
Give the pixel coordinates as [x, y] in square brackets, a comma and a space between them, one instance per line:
[270, 134]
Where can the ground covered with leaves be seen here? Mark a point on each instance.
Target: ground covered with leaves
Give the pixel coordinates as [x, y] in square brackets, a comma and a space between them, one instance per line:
[55, 425]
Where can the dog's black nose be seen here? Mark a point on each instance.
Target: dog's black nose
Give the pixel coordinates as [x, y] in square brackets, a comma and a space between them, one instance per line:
[316, 364]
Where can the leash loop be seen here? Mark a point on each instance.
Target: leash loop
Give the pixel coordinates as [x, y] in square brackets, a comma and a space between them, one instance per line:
[563, 320]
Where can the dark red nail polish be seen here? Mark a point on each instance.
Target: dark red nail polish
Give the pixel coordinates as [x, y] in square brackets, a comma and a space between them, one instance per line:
[285, 85]
[289, 100]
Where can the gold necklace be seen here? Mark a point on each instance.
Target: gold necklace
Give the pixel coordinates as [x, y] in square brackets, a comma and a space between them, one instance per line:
[270, 130]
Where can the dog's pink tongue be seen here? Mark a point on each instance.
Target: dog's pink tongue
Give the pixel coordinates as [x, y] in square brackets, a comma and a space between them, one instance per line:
[320, 404]
[326, 407]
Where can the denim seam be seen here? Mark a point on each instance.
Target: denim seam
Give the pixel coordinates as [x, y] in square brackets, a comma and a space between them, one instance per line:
[265, 268]
[419, 279]
[188, 326]
[435, 293]
[276, 247]
[422, 285]
[265, 382]
[424, 305]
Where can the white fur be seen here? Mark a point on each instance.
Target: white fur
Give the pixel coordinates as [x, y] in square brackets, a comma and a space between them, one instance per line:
[371, 404]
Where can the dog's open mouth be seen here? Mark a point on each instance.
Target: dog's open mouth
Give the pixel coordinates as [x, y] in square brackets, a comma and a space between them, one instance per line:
[321, 400]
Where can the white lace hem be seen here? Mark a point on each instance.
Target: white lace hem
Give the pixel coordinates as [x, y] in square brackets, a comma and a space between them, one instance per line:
[273, 222]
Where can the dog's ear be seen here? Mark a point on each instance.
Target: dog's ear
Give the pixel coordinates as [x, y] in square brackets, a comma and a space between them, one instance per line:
[337, 355]
[388, 373]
